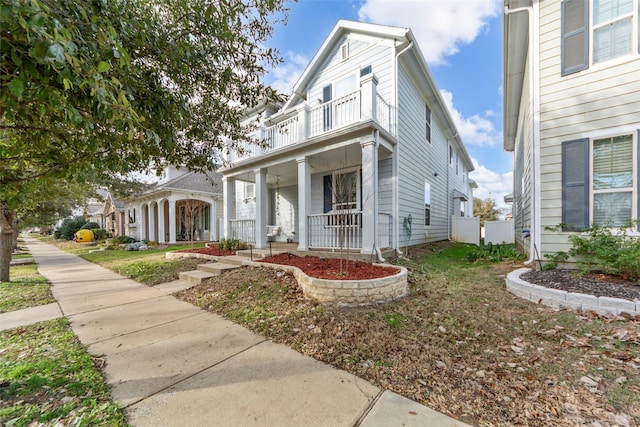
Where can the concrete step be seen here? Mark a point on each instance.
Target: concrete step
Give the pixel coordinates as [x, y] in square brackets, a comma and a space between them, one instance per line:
[257, 253]
[235, 259]
[196, 277]
[216, 267]
[174, 286]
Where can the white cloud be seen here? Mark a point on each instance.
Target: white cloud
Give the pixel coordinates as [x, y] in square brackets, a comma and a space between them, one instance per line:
[440, 27]
[491, 184]
[287, 74]
[475, 130]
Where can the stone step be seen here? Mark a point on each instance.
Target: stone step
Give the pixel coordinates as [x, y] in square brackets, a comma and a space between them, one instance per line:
[235, 259]
[196, 277]
[257, 253]
[216, 267]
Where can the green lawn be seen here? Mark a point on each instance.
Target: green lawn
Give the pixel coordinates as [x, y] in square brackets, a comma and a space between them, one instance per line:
[48, 378]
[26, 289]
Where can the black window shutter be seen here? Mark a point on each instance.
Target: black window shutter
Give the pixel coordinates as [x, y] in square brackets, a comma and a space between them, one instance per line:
[575, 36]
[328, 199]
[575, 185]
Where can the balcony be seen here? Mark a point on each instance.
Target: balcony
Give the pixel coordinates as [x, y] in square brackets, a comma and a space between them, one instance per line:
[306, 122]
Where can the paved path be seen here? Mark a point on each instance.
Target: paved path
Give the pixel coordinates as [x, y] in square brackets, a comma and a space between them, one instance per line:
[170, 363]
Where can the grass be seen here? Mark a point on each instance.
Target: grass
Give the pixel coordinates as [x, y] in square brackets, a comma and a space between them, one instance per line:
[48, 378]
[26, 288]
[460, 343]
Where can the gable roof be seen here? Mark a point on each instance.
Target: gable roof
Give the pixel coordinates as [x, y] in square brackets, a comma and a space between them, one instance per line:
[194, 181]
[404, 39]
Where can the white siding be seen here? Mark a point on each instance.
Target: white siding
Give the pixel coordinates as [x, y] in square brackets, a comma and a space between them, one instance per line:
[596, 100]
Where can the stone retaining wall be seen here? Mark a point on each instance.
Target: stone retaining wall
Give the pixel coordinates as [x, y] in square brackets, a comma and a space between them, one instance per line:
[347, 292]
[563, 299]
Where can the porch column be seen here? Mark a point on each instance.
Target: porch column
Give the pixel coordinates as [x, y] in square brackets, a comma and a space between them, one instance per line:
[143, 222]
[261, 208]
[152, 222]
[368, 100]
[172, 222]
[228, 199]
[161, 232]
[369, 196]
[213, 221]
[304, 202]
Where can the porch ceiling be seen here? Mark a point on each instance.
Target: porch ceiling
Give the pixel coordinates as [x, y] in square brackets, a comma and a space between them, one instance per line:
[336, 156]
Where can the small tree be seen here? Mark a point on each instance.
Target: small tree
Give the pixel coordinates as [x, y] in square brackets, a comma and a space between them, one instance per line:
[192, 209]
[486, 210]
[344, 193]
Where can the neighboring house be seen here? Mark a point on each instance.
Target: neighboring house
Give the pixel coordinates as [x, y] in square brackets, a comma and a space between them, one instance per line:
[181, 206]
[571, 117]
[363, 154]
[113, 216]
[92, 210]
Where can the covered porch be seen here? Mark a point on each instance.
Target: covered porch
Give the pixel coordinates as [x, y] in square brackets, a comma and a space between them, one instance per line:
[335, 194]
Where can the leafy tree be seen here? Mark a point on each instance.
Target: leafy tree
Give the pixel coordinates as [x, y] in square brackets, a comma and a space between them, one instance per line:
[486, 210]
[90, 88]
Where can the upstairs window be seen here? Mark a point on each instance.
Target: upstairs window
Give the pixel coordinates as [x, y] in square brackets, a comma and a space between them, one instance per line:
[595, 31]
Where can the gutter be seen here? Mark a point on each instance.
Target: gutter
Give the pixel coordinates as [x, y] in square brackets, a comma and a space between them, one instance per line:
[535, 133]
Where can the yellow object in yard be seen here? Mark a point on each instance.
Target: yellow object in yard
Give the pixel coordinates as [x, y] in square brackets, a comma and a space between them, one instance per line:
[84, 236]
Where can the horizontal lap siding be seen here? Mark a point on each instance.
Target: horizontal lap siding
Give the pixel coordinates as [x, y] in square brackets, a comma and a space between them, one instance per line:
[598, 99]
[419, 160]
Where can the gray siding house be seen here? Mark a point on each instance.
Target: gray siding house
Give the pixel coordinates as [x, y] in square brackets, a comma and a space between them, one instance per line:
[571, 117]
[363, 149]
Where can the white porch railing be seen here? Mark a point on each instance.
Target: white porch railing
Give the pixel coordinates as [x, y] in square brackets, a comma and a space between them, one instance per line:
[335, 230]
[243, 229]
[311, 121]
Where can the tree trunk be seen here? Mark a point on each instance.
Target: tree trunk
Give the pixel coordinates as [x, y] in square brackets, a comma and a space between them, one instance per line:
[6, 241]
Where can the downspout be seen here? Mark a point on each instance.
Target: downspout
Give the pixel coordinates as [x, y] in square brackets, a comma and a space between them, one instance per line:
[535, 119]
[396, 157]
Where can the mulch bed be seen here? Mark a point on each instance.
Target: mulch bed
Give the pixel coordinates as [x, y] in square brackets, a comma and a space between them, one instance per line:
[210, 251]
[599, 285]
[332, 268]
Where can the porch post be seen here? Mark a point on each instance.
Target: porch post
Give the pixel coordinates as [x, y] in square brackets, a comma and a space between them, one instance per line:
[228, 199]
[213, 221]
[369, 196]
[161, 232]
[152, 221]
[261, 208]
[172, 222]
[369, 93]
[143, 221]
[304, 202]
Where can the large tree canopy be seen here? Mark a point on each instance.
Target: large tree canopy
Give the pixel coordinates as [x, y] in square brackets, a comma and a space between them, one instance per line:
[101, 87]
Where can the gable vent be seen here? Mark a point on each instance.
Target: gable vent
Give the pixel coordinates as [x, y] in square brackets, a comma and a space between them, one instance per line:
[344, 50]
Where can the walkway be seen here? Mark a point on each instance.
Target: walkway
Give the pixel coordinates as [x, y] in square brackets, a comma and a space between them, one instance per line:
[170, 363]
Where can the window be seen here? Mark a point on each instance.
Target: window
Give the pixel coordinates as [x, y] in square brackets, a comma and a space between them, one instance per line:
[427, 123]
[613, 180]
[597, 31]
[365, 70]
[206, 217]
[345, 86]
[462, 207]
[427, 203]
[450, 155]
[345, 190]
[600, 181]
[249, 190]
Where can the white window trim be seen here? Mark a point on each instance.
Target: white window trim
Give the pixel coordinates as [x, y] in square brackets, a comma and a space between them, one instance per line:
[249, 195]
[634, 38]
[333, 193]
[634, 188]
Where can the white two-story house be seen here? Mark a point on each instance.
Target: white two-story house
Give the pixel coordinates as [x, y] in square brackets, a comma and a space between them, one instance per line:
[363, 154]
[571, 117]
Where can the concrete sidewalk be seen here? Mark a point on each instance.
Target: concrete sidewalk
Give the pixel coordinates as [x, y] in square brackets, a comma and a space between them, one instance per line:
[170, 363]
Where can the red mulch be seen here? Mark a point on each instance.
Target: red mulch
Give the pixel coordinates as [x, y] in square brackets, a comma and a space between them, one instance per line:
[329, 268]
[210, 251]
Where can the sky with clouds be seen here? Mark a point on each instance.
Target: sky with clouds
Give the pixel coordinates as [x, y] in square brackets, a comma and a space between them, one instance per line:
[461, 42]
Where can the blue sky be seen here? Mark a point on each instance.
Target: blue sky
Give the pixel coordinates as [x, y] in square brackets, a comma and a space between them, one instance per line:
[461, 41]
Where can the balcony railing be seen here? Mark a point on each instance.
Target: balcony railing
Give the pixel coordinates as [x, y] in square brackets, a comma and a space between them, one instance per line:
[312, 121]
